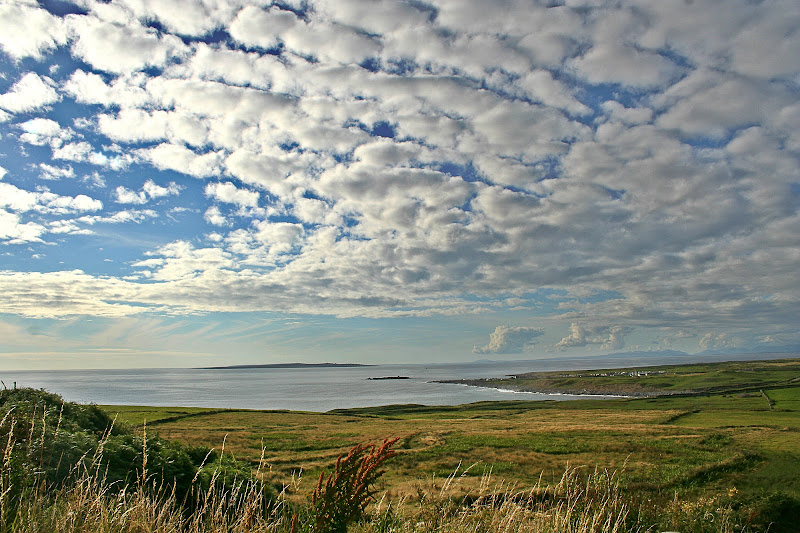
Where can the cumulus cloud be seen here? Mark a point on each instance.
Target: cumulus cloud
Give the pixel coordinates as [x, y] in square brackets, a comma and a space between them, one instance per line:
[715, 341]
[21, 201]
[182, 159]
[608, 337]
[29, 31]
[614, 63]
[214, 216]
[150, 190]
[126, 91]
[381, 158]
[229, 193]
[29, 93]
[509, 339]
[117, 48]
[50, 172]
[14, 231]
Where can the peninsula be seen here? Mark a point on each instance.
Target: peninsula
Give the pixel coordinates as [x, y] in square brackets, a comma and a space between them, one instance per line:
[650, 381]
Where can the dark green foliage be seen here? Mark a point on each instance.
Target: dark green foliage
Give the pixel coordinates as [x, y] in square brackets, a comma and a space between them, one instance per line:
[778, 512]
[47, 442]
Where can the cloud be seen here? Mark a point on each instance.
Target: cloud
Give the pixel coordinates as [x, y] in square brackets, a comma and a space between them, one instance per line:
[120, 217]
[150, 191]
[228, 192]
[29, 93]
[714, 341]
[41, 127]
[29, 31]
[628, 164]
[90, 88]
[120, 49]
[50, 172]
[615, 63]
[21, 201]
[195, 18]
[182, 159]
[509, 339]
[13, 231]
[608, 337]
[214, 216]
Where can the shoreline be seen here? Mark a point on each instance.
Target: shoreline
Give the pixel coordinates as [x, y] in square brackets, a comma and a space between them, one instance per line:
[551, 392]
[657, 381]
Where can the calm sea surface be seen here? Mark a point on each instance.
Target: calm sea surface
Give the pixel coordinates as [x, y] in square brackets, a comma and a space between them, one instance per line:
[306, 389]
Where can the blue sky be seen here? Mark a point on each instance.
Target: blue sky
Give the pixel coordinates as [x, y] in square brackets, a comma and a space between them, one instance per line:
[185, 183]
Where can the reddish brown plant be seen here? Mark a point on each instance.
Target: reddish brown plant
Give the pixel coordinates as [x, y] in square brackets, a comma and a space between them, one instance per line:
[341, 498]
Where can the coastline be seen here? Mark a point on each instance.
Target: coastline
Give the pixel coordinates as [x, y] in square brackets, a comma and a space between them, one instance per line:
[483, 383]
[650, 381]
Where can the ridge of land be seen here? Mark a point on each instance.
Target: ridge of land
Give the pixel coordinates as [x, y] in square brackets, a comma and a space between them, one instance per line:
[653, 381]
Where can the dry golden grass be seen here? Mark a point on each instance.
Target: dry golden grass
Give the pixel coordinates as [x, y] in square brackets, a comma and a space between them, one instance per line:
[520, 445]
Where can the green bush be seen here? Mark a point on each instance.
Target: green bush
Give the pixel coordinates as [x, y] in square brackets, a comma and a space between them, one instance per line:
[47, 442]
[777, 512]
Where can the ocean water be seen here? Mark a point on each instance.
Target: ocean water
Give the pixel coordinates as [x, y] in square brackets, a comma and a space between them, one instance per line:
[299, 389]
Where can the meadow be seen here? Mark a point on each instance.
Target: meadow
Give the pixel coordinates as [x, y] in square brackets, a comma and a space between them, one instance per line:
[723, 454]
[731, 435]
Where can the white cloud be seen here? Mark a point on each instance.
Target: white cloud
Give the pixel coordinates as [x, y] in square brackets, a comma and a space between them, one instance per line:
[715, 341]
[127, 196]
[120, 217]
[673, 187]
[628, 115]
[180, 260]
[214, 216]
[185, 17]
[542, 87]
[29, 31]
[510, 339]
[228, 192]
[181, 159]
[769, 45]
[154, 190]
[259, 27]
[13, 231]
[134, 125]
[90, 88]
[65, 293]
[29, 93]
[608, 337]
[121, 48]
[41, 126]
[709, 104]
[21, 200]
[614, 63]
[50, 172]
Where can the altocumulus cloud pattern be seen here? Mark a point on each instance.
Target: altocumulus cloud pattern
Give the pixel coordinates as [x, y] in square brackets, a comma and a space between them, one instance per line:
[602, 168]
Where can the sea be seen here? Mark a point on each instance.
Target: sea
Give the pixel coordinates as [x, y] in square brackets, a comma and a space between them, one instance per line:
[316, 389]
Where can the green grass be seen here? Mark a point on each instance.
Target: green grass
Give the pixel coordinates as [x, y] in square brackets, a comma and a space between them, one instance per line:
[717, 456]
[672, 379]
[709, 443]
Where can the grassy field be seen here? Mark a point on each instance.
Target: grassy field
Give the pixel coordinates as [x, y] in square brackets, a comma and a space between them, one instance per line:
[742, 443]
[738, 376]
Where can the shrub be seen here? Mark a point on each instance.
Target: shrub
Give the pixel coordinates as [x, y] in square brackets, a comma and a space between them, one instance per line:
[341, 498]
[777, 513]
[47, 443]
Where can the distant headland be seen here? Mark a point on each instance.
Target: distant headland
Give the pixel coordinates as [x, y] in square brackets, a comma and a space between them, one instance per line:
[286, 365]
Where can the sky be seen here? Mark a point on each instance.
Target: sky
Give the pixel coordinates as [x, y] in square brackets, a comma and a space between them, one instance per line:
[202, 182]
